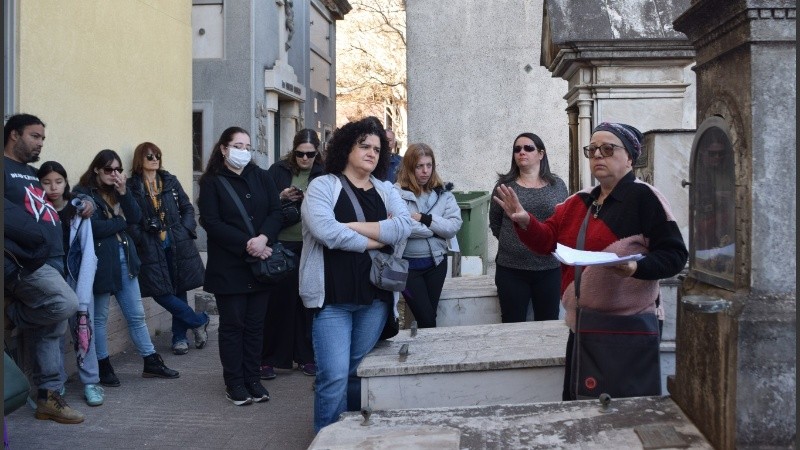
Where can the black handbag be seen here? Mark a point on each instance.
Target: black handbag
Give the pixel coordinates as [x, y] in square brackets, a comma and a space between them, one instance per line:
[391, 327]
[388, 272]
[280, 263]
[290, 213]
[613, 354]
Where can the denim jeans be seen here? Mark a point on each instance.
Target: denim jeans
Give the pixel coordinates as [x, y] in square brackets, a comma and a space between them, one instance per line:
[184, 317]
[342, 335]
[130, 303]
[89, 372]
[43, 303]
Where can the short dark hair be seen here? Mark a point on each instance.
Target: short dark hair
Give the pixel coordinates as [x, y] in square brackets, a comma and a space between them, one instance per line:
[18, 122]
[49, 167]
[345, 138]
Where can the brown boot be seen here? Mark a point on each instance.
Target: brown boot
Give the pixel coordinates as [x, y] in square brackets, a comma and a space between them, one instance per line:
[50, 405]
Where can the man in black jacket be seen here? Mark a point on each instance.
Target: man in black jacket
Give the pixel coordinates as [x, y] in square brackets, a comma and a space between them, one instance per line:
[42, 299]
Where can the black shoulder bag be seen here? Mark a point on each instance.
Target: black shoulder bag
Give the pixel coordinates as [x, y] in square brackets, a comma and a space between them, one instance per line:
[613, 354]
[273, 269]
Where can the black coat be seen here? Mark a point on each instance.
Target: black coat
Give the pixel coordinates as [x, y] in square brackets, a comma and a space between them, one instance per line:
[226, 271]
[154, 276]
[108, 278]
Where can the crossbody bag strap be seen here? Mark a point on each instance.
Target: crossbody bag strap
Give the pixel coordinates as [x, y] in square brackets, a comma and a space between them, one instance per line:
[238, 202]
[357, 206]
[579, 269]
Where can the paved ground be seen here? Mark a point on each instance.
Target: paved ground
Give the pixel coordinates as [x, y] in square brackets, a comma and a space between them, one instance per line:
[190, 412]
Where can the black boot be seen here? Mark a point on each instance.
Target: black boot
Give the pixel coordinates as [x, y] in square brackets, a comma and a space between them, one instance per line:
[154, 368]
[107, 375]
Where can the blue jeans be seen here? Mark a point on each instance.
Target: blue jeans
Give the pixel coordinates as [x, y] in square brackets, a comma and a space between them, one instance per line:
[43, 302]
[342, 335]
[130, 303]
[183, 317]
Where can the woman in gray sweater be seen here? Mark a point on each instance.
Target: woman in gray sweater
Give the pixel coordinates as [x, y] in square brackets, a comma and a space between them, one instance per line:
[523, 277]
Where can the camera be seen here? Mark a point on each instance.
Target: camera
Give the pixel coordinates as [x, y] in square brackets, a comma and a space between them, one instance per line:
[152, 225]
[78, 204]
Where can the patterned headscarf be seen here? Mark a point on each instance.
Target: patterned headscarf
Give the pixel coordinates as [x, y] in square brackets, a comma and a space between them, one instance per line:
[630, 137]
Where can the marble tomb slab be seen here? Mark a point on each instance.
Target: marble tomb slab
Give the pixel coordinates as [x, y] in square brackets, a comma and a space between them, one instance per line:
[632, 423]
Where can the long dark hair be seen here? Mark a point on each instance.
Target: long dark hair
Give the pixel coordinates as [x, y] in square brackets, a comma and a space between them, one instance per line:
[544, 165]
[102, 159]
[216, 161]
[345, 138]
[304, 136]
[137, 167]
[49, 167]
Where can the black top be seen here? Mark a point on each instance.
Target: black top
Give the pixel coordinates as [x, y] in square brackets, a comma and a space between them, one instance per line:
[347, 273]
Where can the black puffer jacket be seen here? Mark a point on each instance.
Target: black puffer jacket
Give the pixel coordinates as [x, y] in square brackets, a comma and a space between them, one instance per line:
[105, 229]
[227, 272]
[154, 276]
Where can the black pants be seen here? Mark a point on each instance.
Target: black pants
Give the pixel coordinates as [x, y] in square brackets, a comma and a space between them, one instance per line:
[517, 287]
[287, 326]
[241, 323]
[423, 289]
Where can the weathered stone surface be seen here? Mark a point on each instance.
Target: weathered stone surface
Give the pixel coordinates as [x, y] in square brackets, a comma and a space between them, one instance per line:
[580, 424]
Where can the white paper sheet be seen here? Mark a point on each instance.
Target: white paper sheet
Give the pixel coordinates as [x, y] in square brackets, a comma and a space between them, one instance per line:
[572, 257]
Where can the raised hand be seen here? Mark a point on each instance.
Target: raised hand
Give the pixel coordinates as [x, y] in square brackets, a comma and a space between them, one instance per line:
[508, 200]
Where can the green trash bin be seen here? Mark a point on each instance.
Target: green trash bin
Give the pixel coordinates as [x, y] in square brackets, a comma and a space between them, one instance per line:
[472, 237]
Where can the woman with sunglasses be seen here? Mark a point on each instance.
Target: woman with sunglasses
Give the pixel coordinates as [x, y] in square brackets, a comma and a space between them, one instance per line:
[287, 326]
[524, 278]
[117, 264]
[623, 215]
[241, 299]
[171, 264]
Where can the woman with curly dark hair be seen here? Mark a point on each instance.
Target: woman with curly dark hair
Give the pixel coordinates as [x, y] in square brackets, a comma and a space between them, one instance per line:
[349, 311]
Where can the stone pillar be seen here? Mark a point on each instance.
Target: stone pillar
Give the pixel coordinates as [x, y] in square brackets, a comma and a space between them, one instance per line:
[584, 137]
[736, 338]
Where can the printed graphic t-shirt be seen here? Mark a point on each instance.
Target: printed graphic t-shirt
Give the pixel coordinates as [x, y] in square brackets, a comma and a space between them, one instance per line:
[22, 188]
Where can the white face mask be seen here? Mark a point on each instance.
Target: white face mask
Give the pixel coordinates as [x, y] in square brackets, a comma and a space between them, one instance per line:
[238, 158]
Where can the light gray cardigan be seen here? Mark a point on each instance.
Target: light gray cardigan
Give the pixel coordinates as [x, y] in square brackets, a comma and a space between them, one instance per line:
[321, 229]
[445, 222]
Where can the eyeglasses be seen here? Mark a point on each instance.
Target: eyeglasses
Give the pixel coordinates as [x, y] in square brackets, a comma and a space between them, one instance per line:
[152, 157]
[527, 147]
[308, 155]
[110, 170]
[241, 147]
[606, 150]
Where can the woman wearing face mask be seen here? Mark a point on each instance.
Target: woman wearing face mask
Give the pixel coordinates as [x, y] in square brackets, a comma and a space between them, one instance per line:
[117, 264]
[287, 327]
[241, 299]
[171, 264]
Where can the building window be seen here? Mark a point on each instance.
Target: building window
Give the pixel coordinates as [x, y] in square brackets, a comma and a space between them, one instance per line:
[197, 141]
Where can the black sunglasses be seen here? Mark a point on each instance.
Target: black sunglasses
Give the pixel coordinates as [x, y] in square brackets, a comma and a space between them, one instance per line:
[309, 155]
[527, 147]
[152, 156]
[109, 170]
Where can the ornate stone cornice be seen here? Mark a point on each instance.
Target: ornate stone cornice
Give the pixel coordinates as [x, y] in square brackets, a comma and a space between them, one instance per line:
[574, 55]
[338, 8]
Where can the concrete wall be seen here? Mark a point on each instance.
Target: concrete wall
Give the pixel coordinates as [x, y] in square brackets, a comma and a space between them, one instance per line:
[100, 76]
[475, 83]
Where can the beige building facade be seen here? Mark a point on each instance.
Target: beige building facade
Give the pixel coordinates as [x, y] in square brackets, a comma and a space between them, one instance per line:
[103, 74]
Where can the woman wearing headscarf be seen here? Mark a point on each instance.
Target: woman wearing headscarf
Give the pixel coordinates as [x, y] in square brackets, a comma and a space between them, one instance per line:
[624, 216]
